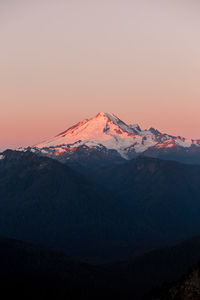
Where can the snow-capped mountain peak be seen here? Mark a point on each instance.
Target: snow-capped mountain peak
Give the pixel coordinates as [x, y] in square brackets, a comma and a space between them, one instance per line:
[104, 129]
[108, 131]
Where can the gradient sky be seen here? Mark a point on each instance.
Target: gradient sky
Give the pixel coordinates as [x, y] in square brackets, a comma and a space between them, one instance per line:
[64, 60]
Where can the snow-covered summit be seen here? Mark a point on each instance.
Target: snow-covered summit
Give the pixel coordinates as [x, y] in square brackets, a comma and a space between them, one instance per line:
[107, 130]
[104, 129]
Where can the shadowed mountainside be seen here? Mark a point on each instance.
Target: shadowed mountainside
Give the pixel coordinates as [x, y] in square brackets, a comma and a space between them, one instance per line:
[163, 195]
[27, 269]
[133, 208]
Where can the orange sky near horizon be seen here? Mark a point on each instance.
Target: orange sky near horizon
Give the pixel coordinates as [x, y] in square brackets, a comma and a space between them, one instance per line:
[63, 61]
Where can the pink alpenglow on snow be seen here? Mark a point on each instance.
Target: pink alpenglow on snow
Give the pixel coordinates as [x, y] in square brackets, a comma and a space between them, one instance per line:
[107, 130]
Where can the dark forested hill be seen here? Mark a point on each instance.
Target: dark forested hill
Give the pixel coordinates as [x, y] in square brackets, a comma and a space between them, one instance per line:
[132, 208]
[29, 270]
[163, 195]
[44, 201]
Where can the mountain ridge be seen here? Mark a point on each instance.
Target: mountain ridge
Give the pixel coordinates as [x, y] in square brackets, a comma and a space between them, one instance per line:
[133, 203]
[107, 136]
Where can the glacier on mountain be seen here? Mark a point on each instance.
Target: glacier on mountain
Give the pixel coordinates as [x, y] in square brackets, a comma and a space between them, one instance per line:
[107, 130]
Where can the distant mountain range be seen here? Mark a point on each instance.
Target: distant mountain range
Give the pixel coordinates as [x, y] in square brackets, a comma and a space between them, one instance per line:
[105, 139]
[116, 211]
